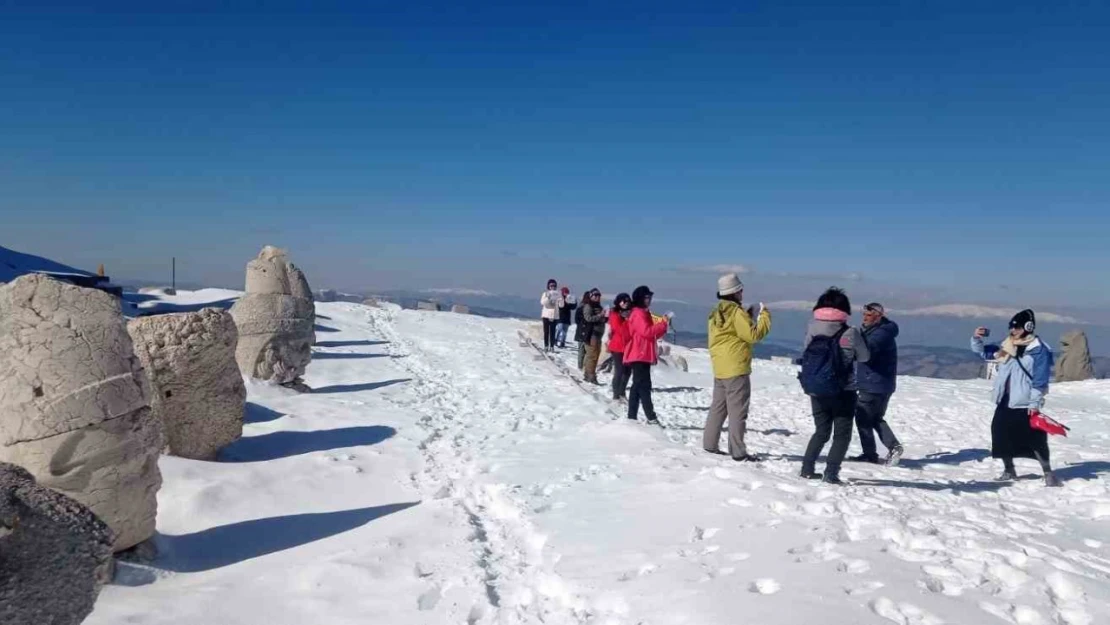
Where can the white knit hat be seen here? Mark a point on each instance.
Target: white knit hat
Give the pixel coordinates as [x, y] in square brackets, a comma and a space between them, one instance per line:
[729, 284]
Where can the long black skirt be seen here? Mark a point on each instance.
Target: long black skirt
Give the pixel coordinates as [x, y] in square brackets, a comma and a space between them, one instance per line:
[1012, 436]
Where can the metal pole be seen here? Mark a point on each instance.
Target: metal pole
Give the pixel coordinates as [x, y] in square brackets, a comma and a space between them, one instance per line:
[173, 284]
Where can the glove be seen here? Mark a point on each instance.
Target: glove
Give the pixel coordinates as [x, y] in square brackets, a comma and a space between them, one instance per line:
[762, 308]
[669, 316]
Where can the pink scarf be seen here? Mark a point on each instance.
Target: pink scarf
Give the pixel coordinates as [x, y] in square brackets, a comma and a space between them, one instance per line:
[830, 314]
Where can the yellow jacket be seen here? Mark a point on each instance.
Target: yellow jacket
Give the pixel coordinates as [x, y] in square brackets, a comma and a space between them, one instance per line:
[731, 336]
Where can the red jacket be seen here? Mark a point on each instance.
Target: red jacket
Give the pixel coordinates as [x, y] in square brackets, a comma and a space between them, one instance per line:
[618, 332]
[642, 337]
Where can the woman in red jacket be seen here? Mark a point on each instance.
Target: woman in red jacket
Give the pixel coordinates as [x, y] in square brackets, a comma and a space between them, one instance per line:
[618, 338]
[640, 353]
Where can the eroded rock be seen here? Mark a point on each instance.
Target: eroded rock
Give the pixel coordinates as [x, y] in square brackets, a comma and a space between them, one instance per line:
[75, 402]
[196, 388]
[54, 553]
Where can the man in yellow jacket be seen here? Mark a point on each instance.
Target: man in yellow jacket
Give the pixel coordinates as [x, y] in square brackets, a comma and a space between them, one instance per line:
[731, 337]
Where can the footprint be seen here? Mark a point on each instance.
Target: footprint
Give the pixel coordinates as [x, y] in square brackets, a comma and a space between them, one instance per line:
[739, 557]
[740, 503]
[699, 534]
[430, 599]
[864, 589]
[765, 586]
[856, 567]
[903, 613]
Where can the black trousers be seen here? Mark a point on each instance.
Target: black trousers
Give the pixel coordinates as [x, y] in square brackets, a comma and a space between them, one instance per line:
[641, 390]
[620, 374]
[833, 417]
[871, 418]
[549, 332]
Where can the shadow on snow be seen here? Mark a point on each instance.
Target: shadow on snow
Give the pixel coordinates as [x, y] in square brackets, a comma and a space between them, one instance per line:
[256, 413]
[349, 343]
[354, 388]
[285, 444]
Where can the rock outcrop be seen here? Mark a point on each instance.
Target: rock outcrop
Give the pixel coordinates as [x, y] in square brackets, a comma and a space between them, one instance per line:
[54, 553]
[275, 319]
[75, 402]
[1074, 364]
[432, 306]
[460, 309]
[196, 388]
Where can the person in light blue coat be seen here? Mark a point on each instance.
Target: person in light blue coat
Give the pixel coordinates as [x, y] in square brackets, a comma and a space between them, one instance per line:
[1020, 386]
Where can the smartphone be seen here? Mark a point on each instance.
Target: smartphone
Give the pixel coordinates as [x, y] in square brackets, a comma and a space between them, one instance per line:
[986, 332]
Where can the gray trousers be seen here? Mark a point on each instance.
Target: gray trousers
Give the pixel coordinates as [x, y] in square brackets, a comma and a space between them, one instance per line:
[732, 397]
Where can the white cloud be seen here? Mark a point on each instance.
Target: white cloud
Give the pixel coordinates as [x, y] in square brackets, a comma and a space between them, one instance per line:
[718, 269]
[793, 304]
[476, 292]
[979, 312]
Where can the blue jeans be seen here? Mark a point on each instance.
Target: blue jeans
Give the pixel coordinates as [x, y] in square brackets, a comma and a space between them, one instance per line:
[561, 334]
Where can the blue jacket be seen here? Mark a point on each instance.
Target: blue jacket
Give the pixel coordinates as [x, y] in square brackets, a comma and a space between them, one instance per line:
[1026, 391]
[880, 374]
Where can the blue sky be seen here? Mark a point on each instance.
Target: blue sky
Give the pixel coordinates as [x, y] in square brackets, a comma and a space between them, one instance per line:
[930, 150]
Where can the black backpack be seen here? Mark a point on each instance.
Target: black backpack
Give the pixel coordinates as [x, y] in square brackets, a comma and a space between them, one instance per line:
[823, 370]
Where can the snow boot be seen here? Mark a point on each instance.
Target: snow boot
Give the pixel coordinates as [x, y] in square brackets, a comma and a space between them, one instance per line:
[715, 452]
[810, 475]
[865, 458]
[654, 421]
[1007, 476]
[748, 458]
[1051, 481]
[894, 456]
[832, 479]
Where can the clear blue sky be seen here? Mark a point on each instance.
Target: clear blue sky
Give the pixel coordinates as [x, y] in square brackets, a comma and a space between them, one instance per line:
[956, 150]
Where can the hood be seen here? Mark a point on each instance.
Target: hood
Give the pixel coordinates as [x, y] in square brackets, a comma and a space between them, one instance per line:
[825, 328]
[722, 315]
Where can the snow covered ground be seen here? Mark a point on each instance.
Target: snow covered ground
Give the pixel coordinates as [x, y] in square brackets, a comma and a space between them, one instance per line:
[443, 473]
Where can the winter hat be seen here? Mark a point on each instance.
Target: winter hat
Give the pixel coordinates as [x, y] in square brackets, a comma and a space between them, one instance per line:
[640, 295]
[622, 297]
[729, 284]
[552, 283]
[1025, 320]
[566, 291]
[875, 307]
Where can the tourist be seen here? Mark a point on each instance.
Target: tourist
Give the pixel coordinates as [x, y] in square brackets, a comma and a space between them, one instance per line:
[732, 334]
[594, 318]
[567, 306]
[641, 352]
[876, 381]
[1020, 385]
[549, 314]
[618, 339]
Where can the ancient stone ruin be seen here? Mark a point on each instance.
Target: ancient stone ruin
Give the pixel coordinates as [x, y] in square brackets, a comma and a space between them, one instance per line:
[196, 388]
[460, 309]
[55, 554]
[432, 306]
[275, 319]
[75, 402]
[1074, 364]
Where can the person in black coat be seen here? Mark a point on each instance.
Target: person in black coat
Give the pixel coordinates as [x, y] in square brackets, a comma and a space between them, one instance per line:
[876, 381]
[580, 332]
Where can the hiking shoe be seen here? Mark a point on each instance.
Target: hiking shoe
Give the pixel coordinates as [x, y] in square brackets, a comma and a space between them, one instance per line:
[715, 452]
[865, 458]
[1051, 481]
[832, 479]
[1006, 476]
[810, 475]
[748, 458]
[894, 457]
[654, 421]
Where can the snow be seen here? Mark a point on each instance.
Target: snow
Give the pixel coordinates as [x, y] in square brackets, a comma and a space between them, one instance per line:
[441, 472]
[157, 301]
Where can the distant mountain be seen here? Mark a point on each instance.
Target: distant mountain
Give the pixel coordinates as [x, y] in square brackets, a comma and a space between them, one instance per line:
[14, 264]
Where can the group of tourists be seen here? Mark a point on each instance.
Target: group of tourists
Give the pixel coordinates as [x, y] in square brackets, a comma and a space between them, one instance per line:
[849, 373]
[634, 334]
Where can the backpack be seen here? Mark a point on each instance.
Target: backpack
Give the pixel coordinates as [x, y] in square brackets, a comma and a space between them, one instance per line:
[823, 371]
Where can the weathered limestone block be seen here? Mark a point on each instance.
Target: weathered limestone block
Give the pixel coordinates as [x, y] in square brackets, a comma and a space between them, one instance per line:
[75, 402]
[196, 388]
[1075, 358]
[54, 553]
[275, 320]
[460, 309]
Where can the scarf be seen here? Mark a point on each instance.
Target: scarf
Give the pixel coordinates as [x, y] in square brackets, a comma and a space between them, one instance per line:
[1010, 347]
